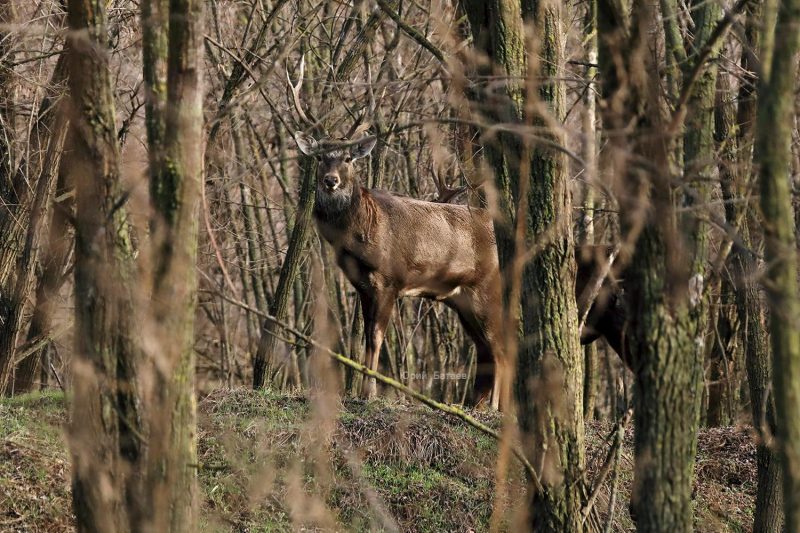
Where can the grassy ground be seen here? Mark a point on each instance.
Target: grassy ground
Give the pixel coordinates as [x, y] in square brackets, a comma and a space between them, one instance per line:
[280, 463]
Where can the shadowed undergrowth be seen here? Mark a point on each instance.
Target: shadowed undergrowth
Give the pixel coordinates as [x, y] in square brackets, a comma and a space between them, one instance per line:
[274, 463]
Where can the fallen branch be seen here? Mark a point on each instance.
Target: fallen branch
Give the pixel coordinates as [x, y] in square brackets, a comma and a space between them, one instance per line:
[449, 409]
[38, 343]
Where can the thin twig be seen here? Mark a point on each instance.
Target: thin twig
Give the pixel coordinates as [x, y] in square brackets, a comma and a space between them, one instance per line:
[612, 459]
[410, 31]
[699, 62]
[615, 480]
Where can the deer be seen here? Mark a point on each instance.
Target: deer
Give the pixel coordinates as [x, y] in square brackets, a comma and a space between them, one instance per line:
[390, 246]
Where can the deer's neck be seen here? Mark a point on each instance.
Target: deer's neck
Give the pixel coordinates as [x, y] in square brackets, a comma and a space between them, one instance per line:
[339, 209]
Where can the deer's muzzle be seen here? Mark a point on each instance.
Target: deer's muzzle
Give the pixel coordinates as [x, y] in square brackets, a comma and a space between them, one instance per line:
[331, 182]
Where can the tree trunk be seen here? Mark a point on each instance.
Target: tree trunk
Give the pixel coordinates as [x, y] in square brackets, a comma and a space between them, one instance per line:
[724, 358]
[744, 271]
[25, 278]
[176, 177]
[665, 276]
[288, 280]
[699, 153]
[535, 201]
[667, 393]
[54, 262]
[103, 267]
[24, 213]
[773, 150]
[591, 144]
[549, 313]
[8, 194]
[289, 270]
[16, 194]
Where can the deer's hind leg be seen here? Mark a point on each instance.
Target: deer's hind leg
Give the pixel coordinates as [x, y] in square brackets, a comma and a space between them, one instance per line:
[377, 306]
[484, 328]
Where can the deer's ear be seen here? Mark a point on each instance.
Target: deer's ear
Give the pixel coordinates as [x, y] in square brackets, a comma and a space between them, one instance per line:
[306, 143]
[363, 148]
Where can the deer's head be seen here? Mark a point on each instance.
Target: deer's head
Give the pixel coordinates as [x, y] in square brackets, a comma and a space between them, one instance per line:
[336, 177]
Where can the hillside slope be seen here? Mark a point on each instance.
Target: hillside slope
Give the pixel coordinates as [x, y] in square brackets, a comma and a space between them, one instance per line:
[279, 463]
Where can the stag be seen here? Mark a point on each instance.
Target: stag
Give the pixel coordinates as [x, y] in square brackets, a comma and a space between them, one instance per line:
[391, 246]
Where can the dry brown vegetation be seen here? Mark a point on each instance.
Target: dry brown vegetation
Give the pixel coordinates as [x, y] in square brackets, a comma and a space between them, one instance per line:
[157, 245]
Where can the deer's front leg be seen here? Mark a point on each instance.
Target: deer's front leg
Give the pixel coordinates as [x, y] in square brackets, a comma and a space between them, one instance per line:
[377, 308]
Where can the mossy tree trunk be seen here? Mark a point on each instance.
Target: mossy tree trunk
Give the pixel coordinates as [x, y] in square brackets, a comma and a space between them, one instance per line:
[669, 307]
[773, 153]
[667, 393]
[103, 269]
[667, 271]
[533, 184]
[549, 312]
[290, 268]
[175, 135]
[744, 270]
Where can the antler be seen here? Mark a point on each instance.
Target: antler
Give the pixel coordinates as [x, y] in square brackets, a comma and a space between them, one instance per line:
[445, 194]
[305, 116]
[357, 127]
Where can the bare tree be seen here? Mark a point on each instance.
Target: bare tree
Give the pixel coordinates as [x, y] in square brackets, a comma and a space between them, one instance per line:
[773, 152]
[175, 134]
[535, 207]
[102, 428]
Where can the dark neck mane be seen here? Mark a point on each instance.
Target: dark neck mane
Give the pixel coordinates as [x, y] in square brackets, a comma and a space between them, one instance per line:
[326, 213]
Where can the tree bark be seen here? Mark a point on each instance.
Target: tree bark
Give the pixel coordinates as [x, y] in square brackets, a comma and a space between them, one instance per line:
[25, 278]
[175, 132]
[699, 154]
[8, 193]
[24, 213]
[289, 270]
[532, 186]
[549, 312]
[103, 269]
[591, 144]
[16, 194]
[665, 276]
[773, 152]
[54, 262]
[743, 262]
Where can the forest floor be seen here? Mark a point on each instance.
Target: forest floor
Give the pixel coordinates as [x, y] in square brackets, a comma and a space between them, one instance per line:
[275, 463]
